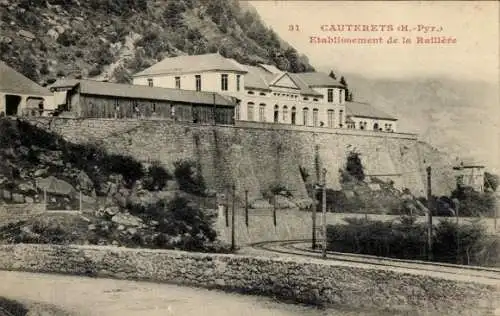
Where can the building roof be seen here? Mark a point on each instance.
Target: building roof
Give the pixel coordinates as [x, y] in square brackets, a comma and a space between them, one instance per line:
[144, 92]
[304, 87]
[257, 78]
[191, 63]
[359, 109]
[13, 82]
[318, 79]
[271, 68]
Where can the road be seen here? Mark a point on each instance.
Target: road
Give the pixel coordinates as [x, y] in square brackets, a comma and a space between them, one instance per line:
[91, 296]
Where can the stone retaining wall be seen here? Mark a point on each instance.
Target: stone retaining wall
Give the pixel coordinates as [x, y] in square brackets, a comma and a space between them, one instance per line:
[311, 281]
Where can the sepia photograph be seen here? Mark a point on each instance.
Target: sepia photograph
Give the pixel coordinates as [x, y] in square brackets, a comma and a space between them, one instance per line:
[225, 157]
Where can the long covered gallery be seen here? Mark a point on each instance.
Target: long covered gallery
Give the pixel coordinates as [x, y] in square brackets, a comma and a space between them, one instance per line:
[95, 99]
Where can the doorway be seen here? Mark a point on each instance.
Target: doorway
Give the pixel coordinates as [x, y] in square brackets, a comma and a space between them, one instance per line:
[12, 104]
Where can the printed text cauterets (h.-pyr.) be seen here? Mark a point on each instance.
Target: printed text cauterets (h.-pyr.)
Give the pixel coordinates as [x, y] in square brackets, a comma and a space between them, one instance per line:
[357, 28]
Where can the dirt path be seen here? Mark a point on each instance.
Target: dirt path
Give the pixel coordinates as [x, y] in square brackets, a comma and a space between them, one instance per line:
[89, 296]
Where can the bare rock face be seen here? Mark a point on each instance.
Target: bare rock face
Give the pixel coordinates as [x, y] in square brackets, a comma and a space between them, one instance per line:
[126, 220]
[260, 204]
[18, 198]
[284, 203]
[84, 182]
[55, 186]
[303, 203]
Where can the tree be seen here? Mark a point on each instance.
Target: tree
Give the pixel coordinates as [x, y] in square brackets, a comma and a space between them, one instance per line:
[344, 83]
[354, 166]
[491, 181]
[332, 75]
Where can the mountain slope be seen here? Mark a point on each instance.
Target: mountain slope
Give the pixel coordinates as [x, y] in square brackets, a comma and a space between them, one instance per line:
[113, 39]
[460, 117]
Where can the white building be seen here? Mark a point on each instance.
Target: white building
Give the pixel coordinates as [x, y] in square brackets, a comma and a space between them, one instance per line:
[265, 93]
[21, 96]
[366, 117]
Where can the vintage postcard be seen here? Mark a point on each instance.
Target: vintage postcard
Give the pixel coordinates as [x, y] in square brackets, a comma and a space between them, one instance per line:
[224, 157]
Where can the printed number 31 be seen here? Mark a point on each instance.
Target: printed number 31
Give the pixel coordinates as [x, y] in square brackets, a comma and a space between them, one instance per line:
[293, 27]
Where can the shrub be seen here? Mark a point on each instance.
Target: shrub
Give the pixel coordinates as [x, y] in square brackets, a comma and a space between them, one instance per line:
[157, 177]
[465, 244]
[182, 224]
[188, 175]
[473, 203]
[127, 166]
[12, 307]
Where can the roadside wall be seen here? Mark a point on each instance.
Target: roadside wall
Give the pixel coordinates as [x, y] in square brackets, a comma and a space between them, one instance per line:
[311, 281]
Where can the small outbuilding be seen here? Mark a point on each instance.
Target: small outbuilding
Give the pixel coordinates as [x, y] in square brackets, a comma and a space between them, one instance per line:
[21, 96]
[97, 99]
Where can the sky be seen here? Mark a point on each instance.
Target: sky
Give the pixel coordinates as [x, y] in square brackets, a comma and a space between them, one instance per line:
[474, 25]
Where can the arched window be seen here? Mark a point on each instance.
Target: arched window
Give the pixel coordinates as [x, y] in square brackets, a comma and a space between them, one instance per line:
[250, 111]
[276, 113]
[305, 116]
[294, 115]
[330, 118]
[237, 112]
[285, 114]
[262, 112]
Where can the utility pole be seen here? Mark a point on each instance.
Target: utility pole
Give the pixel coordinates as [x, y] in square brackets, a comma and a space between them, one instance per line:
[324, 212]
[314, 192]
[246, 207]
[313, 197]
[233, 243]
[429, 207]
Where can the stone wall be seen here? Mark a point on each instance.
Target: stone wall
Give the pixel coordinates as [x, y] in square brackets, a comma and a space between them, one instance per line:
[312, 281]
[17, 212]
[253, 156]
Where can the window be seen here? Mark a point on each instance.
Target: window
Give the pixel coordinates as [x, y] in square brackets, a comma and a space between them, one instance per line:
[223, 82]
[341, 94]
[250, 110]
[330, 95]
[262, 93]
[237, 112]
[315, 117]
[375, 127]
[177, 82]
[285, 114]
[330, 117]
[306, 99]
[305, 116]
[250, 92]
[294, 116]
[150, 82]
[172, 110]
[262, 112]
[238, 78]
[315, 99]
[341, 118]
[276, 113]
[197, 78]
